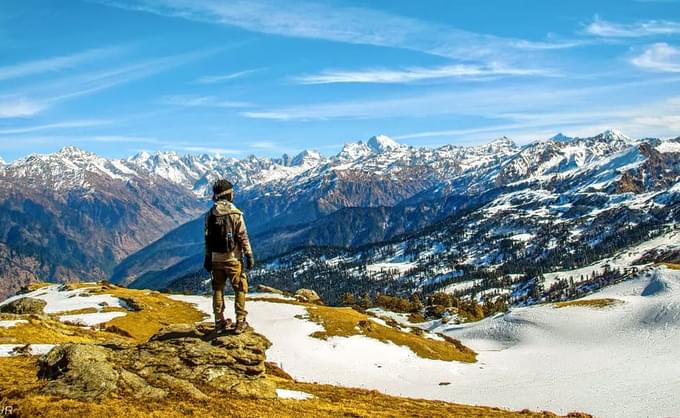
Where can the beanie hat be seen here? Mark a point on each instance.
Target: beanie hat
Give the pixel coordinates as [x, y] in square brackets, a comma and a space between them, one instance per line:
[221, 188]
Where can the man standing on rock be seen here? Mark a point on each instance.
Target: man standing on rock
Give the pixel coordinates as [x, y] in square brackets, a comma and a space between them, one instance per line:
[226, 245]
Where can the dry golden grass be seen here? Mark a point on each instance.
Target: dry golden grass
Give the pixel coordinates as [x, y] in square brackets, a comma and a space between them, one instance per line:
[89, 311]
[589, 303]
[38, 285]
[672, 266]
[75, 312]
[158, 310]
[345, 322]
[19, 383]
[18, 386]
[43, 330]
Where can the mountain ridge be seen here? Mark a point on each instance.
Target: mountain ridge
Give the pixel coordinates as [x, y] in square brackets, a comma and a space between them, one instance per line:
[310, 201]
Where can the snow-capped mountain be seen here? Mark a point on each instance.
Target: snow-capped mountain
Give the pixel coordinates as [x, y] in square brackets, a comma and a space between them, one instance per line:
[561, 137]
[382, 143]
[369, 192]
[69, 168]
[198, 172]
[561, 156]
[603, 209]
[498, 188]
[73, 215]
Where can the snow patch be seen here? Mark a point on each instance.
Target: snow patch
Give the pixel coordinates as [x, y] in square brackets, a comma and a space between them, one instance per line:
[7, 350]
[293, 394]
[9, 323]
[91, 319]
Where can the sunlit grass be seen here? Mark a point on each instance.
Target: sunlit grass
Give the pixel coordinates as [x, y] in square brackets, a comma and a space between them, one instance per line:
[673, 266]
[589, 303]
[19, 384]
[158, 310]
[45, 330]
[345, 322]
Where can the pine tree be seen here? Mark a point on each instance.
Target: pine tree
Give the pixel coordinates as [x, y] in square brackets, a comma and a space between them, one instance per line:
[416, 304]
[348, 299]
[366, 301]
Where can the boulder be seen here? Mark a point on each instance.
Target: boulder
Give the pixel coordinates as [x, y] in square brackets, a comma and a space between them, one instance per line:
[24, 306]
[132, 304]
[79, 371]
[179, 359]
[307, 295]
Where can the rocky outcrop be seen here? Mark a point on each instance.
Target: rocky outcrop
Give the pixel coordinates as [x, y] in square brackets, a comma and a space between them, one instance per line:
[24, 306]
[307, 295]
[660, 170]
[179, 360]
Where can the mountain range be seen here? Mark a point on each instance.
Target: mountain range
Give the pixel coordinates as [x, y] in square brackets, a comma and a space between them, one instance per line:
[73, 214]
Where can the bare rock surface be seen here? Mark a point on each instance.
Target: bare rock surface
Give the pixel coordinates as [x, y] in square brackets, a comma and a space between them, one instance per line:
[179, 359]
[25, 306]
[308, 295]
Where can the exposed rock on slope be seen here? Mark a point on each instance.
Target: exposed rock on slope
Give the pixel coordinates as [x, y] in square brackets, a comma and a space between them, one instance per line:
[24, 306]
[177, 360]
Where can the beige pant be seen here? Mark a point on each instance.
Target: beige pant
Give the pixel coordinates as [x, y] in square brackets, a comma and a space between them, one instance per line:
[233, 272]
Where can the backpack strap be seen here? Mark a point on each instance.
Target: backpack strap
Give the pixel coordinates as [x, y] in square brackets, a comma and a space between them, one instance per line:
[235, 211]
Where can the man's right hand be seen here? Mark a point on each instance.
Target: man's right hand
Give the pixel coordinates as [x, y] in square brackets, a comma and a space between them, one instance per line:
[250, 261]
[207, 263]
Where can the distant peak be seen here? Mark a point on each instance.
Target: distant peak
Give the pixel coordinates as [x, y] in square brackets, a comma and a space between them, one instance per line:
[382, 143]
[560, 137]
[306, 156]
[70, 150]
[614, 135]
[502, 142]
[141, 156]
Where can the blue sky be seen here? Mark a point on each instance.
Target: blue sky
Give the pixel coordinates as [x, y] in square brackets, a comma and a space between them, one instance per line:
[265, 77]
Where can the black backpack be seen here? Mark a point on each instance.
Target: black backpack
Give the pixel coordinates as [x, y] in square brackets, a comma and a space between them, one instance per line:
[220, 234]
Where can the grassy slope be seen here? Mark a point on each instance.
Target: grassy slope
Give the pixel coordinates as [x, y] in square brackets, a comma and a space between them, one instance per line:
[589, 303]
[672, 266]
[19, 382]
[345, 322]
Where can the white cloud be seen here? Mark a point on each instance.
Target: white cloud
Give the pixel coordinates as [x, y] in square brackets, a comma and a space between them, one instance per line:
[656, 118]
[51, 126]
[418, 74]
[120, 139]
[190, 100]
[659, 57]
[53, 64]
[487, 101]
[607, 29]
[212, 79]
[39, 97]
[19, 107]
[478, 102]
[342, 24]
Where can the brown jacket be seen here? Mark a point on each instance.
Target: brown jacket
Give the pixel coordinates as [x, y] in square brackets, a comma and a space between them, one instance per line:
[224, 207]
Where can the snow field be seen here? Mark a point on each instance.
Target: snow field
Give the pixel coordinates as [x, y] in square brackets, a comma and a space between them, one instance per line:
[75, 299]
[618, 361]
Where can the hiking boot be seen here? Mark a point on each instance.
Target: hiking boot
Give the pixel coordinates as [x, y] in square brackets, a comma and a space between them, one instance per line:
[241, 327]
[222, 324]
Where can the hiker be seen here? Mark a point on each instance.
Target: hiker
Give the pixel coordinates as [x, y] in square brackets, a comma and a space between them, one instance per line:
[226, 245]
